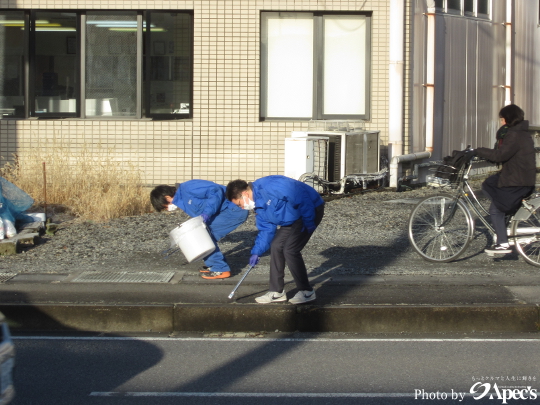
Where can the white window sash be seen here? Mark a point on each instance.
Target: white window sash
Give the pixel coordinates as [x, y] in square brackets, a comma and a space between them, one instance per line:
[344, 65]
[289, 61]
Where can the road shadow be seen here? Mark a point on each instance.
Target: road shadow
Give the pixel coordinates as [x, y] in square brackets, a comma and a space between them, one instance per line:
[36, 336]
[338, 259]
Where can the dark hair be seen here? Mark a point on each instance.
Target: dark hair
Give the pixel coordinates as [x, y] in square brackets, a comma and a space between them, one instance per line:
[158, 194]
[512, 114]
[235, 189]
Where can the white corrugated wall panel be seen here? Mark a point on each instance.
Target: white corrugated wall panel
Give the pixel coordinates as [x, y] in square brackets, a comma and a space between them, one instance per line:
[470, 66]
[527, 59]
[490, 74]
[474, 61]
[456, 75]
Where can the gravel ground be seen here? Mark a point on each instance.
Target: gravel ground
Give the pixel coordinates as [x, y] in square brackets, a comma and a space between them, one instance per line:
[360, 234]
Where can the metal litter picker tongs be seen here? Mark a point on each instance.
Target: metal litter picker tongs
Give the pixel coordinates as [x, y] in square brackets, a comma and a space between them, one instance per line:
[240, 282]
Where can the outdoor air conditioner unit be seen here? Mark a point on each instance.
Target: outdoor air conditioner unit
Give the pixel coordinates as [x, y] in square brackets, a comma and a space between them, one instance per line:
[356, 152]
[307, 154]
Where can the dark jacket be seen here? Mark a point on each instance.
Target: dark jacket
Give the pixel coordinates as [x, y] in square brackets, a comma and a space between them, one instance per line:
[517, 156]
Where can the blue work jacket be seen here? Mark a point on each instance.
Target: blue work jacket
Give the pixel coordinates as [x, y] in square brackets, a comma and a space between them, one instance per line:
[196, 197]
[280, 201]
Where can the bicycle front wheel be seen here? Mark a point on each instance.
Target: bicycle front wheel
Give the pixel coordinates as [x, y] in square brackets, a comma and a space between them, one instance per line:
[439, 229]
[527, 238]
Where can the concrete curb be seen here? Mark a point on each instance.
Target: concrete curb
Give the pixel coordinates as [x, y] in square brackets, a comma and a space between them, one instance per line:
[88, 318]
[257, 318]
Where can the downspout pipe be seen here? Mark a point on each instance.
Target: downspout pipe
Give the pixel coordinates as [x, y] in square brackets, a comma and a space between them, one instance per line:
[508, 96]
[395, 164]
[396, 142]
[395, 83]
[430, 81]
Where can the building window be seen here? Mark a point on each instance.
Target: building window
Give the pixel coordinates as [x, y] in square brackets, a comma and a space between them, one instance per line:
[314, 66]
[439, 4]
[12, 56]
[468, 6]
[477, 8]
[106, 64]
[54, 71]
[453, 5]
[474, 8]
[168, 61]
[111, 64]
[483, 7]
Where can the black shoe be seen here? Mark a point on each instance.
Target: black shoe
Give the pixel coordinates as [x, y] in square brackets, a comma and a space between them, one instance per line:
[498, 249]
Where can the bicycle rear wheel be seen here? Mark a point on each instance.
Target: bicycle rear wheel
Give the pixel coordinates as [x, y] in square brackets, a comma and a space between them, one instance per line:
[527, 238]
[438, 232]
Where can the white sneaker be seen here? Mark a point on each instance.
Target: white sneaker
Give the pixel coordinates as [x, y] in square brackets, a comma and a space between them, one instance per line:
[272, 296]
[303, 296]
[499, 249]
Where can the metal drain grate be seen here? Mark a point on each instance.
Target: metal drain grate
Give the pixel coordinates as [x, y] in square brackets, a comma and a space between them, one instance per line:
[6, 276]
[123, 277]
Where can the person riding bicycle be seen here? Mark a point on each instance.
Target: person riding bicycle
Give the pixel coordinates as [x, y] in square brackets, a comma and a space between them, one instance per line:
[517, 178]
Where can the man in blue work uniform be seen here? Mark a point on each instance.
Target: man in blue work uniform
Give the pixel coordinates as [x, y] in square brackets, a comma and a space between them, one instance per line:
[207, 199]
[297, 209]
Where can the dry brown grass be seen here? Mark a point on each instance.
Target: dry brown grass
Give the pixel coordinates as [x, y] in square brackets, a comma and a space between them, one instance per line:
[89, 181]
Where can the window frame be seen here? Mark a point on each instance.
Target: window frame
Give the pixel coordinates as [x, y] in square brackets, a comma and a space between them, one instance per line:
[143, 85]
[318, 67]
[442, 6]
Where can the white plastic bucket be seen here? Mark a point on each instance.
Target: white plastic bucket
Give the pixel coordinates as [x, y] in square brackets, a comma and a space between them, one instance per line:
[193, 239]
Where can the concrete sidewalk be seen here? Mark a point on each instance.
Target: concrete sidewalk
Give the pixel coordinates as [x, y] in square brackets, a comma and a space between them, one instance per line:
[182, 302]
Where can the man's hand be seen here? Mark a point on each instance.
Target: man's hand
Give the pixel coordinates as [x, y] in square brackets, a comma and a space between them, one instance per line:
[253, 260]
[204, 217]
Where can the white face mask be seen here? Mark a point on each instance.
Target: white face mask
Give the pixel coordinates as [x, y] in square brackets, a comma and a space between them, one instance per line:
[171, 207]
[250, 205]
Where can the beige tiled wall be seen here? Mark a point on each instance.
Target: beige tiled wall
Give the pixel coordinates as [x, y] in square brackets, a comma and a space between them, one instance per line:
[225, 139]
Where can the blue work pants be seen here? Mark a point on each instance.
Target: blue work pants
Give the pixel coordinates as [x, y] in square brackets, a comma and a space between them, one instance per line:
[220, 225]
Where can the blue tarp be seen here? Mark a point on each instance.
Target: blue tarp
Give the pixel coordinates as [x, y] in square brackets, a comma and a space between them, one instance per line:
[13, 203]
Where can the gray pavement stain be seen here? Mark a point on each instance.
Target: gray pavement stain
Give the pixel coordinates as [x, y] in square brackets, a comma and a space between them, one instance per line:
[411, 201]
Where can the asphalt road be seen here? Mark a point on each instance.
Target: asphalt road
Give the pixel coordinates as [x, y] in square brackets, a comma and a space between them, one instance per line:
[322, 369]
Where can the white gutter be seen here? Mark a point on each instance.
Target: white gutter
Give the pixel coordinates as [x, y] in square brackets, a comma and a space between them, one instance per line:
[396, 92]
[395, 83]
[508, 53]
[430, 80]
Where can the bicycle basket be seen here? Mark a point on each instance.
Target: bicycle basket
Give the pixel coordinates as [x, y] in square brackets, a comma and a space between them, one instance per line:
[451, 172]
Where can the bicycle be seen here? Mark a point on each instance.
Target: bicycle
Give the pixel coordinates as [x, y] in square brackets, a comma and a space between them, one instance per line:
[442, 226]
